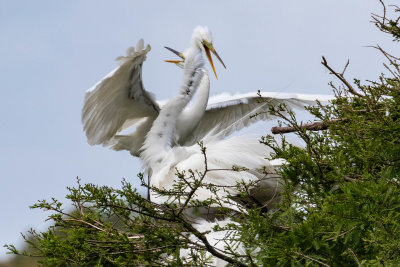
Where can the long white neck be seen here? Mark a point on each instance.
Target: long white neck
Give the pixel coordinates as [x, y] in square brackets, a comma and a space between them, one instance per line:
[191, 116]
[158, 140]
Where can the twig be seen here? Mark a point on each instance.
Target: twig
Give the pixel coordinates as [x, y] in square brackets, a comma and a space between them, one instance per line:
[341, 77]
[354, 256]
[386, 66]
[311, 259]
[159, 217]
[384, 12]
[345, 67]
[141, 250]
[392, 59]
[197, 185]
[87, 223]
[315, 126]
[209, 247]
[342, 234]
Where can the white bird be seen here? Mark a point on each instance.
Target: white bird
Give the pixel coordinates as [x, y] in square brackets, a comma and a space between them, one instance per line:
[161, 158]
[119, 101]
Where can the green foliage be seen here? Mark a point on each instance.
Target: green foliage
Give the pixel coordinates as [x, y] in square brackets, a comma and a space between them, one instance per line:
[340, 204]
[347, 199]
[390, 26]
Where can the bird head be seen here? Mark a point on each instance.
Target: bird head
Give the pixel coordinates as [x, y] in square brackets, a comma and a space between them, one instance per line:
[201, 35]
[201, 39]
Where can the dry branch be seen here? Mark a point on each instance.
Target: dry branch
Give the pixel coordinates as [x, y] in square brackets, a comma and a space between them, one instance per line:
[315, 126]
[340, 76]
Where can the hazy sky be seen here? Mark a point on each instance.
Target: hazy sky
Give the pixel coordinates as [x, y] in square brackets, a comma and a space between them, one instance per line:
[52, 51]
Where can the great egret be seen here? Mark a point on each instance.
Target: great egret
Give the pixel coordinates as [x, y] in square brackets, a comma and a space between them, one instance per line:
[120, 101]
[161, 158]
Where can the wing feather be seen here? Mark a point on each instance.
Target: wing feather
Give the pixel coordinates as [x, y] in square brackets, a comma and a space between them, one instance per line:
[119, 100]
[226, 113]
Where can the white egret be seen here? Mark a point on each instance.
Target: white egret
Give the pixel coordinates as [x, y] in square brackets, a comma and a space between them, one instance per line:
[161, 158]
[120, 101]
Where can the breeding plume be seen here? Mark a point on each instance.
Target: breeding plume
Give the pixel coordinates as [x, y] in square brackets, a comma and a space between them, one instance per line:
[120, 101]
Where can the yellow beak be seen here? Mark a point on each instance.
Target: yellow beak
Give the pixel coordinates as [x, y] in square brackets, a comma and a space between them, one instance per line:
[207, 48]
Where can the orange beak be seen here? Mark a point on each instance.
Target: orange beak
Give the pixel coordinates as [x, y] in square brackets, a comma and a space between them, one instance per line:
[174, 61]
[176, 53]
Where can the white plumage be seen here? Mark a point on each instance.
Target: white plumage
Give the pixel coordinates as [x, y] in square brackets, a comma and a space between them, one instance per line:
[120, 101]
[161, 158]
[166, 138]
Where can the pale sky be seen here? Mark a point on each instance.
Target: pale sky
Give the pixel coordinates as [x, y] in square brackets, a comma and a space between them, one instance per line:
[53, 51]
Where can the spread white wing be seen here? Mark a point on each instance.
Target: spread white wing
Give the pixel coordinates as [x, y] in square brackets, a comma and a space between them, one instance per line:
[224, 115]
[227, 113]
[119, 100]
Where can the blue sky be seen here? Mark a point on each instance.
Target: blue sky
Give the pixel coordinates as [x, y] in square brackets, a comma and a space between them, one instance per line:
[52, 51]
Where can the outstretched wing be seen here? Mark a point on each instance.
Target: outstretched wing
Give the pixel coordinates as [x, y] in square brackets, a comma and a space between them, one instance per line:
[227, 113]
[119, 100]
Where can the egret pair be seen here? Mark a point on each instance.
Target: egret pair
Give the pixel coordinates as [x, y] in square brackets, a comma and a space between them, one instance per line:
[165, 136]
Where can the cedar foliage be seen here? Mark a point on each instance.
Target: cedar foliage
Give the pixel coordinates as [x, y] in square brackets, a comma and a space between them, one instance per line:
[340, 205]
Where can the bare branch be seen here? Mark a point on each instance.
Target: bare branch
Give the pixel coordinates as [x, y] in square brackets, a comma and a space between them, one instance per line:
[384, 11]
[315, 126]
[210, 248]
[392, 59]
[341, 77]
[345, 67]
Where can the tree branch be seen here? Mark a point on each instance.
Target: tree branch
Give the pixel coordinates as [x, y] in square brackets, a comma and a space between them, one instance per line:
[354, 256]
[209, 247]
[315, 126]
[340, 76]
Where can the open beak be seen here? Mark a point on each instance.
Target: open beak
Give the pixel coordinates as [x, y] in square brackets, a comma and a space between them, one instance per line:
[207, 48]
[176, 53]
